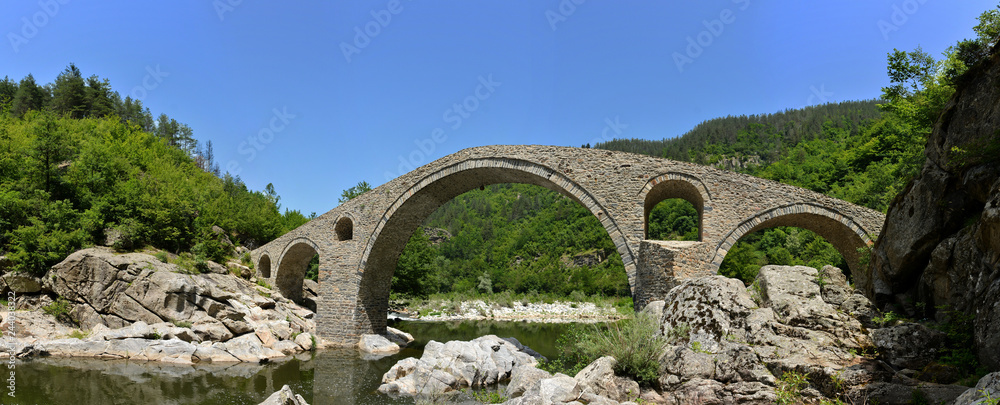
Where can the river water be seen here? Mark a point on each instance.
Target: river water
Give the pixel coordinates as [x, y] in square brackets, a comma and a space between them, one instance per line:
[338, 376]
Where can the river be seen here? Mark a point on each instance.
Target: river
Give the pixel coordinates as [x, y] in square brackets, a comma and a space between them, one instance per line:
[338, 376]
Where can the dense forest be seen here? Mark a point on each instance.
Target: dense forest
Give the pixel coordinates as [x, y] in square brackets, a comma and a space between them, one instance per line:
[864, 152]
[80, 166]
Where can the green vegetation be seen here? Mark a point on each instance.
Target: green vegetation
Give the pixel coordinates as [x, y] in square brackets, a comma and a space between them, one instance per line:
[79, 165]
[632, 342]
[516, 237]
[182, 324]
[78, 334]
[789, 387]
[487, 396]
[673, 219]
[60, 309]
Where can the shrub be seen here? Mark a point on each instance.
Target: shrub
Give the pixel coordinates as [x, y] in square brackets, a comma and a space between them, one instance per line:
[789, 387]
[632, 342]
[60, 309]
[162, 257]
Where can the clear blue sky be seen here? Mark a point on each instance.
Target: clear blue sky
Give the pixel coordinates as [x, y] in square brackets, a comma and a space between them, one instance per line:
[432, 77]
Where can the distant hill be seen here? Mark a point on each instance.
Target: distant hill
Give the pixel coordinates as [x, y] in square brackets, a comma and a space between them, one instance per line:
[744, 137]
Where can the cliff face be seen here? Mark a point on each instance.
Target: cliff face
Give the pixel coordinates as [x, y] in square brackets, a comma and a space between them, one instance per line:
[941, 241]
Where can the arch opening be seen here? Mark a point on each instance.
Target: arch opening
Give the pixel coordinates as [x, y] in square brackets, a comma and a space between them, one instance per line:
[673, 219]
[344, 229]
[515, 239]
[415, 205]
[293, 267]
[264, 266]
[805, 235]
[668, 192]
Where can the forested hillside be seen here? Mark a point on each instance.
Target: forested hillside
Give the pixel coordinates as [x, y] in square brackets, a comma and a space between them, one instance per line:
[81, 166]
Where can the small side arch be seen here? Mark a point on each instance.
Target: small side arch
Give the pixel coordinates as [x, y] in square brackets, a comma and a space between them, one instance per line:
[292, 267]
[344, 228]
[675, 185]
[843, 232]
[264, 266]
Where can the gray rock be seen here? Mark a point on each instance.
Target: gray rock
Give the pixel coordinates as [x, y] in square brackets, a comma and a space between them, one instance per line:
[287, 347]
[311, 288]
[599, 378]
[284, 396]
[213, 330]
[713, 305]
[377, 344]
[304, 340]
[833, 285]
[910, 345]
[444, 367]
[245, 348]
[887, 393]
[22, 283]
[859, 307]
[523, 379]
[138, 330]
[398, 337]
[654, 310]
[559, 389]
[266, 337]
[988, 386]
[794, 294]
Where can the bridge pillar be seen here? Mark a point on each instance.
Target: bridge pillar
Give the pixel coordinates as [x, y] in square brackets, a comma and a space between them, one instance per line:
[665, 264]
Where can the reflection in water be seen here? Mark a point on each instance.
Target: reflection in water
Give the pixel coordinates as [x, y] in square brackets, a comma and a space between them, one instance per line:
[338, 376]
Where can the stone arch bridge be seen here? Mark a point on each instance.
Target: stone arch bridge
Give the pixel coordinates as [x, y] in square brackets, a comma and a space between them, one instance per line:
[359, 241]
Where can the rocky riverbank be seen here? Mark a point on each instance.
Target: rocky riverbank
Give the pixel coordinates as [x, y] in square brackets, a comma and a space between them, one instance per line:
[554, 312]
[134, 306]
[797, 335]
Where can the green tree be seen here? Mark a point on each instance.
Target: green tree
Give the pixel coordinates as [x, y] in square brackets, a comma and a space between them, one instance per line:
[8, 88]
[174, 133]
[361, 188]
[69, 94]
[100, 99]
[413, 266]
[29, 97]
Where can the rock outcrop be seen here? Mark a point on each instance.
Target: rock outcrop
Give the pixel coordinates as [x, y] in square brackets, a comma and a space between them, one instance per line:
[134, 306]
[595, 384]
[941, 241]
[739, 345]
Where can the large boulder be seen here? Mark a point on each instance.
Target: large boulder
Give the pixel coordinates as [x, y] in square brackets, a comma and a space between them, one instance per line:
[377, 345]
[794, 293]
[22, 283]
[446, 367]
[988, 387]
[599, 378]
[714, 306]
[910, 345]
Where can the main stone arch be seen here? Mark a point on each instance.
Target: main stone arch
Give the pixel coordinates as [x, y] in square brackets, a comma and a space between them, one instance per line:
[359, 241]
[406, 213]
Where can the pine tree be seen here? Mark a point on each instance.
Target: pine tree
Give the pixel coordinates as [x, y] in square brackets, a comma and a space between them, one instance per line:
[69, 94]
[29, 97]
